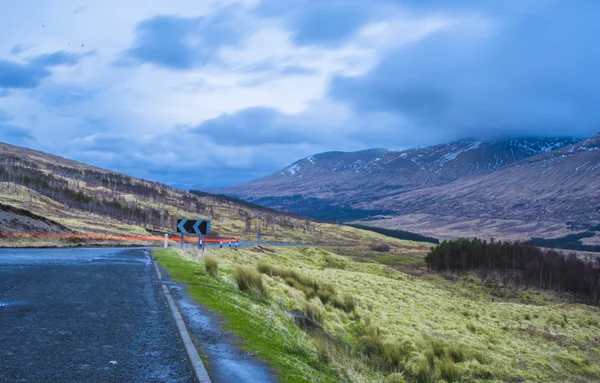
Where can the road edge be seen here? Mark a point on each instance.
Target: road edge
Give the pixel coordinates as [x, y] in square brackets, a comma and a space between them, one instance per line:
[190, 348]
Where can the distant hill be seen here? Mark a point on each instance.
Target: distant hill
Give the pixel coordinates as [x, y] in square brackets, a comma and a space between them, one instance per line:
[513, 188]
[47, 194]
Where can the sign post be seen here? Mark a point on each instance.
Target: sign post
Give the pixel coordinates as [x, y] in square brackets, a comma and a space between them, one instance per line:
[194, 226]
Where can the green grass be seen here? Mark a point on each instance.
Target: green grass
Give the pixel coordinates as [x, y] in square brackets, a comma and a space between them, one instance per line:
[395, 260]
[271, 336]
[400, 327]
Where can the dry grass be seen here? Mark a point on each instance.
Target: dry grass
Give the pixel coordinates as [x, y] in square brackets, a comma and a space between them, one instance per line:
[249, 280]
[211, 265]
[425, 329]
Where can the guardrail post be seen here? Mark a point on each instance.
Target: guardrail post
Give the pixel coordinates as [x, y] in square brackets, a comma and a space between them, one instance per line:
[166, 241]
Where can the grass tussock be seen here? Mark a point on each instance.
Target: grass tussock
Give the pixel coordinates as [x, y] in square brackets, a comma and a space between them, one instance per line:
[448, 371]
[310, 286]
[249, 281]
[211, 265]
[313, 311]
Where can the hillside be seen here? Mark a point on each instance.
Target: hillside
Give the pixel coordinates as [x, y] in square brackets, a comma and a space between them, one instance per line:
[354, 176]
[540, 194]
[42, 193]
[510, 189]
[316, 316]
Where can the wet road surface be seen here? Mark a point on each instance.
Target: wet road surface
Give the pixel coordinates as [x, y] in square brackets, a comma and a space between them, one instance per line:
[86, 315]
[227, 362]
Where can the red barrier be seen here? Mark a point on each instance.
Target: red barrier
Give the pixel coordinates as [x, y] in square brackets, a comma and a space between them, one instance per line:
[115, 237]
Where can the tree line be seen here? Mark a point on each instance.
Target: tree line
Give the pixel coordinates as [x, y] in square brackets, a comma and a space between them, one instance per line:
[543, 268]
[569, 242]
[400, 234]
[57, 187]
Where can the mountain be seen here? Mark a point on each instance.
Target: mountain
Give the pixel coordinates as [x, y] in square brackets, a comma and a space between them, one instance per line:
[526, 186]
[349, 179]
[44, 194]
[547, 195]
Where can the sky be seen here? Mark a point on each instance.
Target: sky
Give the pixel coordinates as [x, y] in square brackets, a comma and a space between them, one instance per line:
[213, 93]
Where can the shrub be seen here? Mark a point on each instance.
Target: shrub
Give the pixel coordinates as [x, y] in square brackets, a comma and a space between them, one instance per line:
[211, 265]
[249, 280]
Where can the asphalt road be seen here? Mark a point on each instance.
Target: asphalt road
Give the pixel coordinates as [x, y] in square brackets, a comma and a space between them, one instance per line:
[86, 315]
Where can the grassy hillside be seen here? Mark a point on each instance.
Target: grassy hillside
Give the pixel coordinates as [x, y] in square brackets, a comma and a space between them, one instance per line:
[41, 193]
[317, 316]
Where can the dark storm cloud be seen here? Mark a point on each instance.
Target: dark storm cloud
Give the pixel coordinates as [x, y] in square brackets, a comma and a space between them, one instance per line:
[254, 126]
[182, 43]
[333, 22]
[185, 159]
[29, 74]
[318, 22]
[536, 75]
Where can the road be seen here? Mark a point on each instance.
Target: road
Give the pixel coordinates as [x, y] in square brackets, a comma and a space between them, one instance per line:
[86, 315]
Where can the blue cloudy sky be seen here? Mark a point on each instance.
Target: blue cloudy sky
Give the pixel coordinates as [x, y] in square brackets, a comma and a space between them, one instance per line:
[216, 92]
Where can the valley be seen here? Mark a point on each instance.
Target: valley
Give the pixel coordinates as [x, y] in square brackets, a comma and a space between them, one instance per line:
[363, 307]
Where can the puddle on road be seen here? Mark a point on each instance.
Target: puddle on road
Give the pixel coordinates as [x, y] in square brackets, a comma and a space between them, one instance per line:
[10, 303]
[228, 363]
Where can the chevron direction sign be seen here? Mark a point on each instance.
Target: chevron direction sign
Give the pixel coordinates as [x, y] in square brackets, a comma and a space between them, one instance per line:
[193, 226]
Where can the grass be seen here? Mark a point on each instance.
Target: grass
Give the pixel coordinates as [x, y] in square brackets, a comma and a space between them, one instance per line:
[401, 327]
[271, 335]
[395, 260]
[211, 265]
[249, 280]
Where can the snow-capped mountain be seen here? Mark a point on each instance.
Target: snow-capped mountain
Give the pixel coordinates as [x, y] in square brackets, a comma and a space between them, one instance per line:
[509, 188]
[352, 177]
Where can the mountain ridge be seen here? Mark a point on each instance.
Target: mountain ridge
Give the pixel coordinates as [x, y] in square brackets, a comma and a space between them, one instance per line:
[422, 181]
